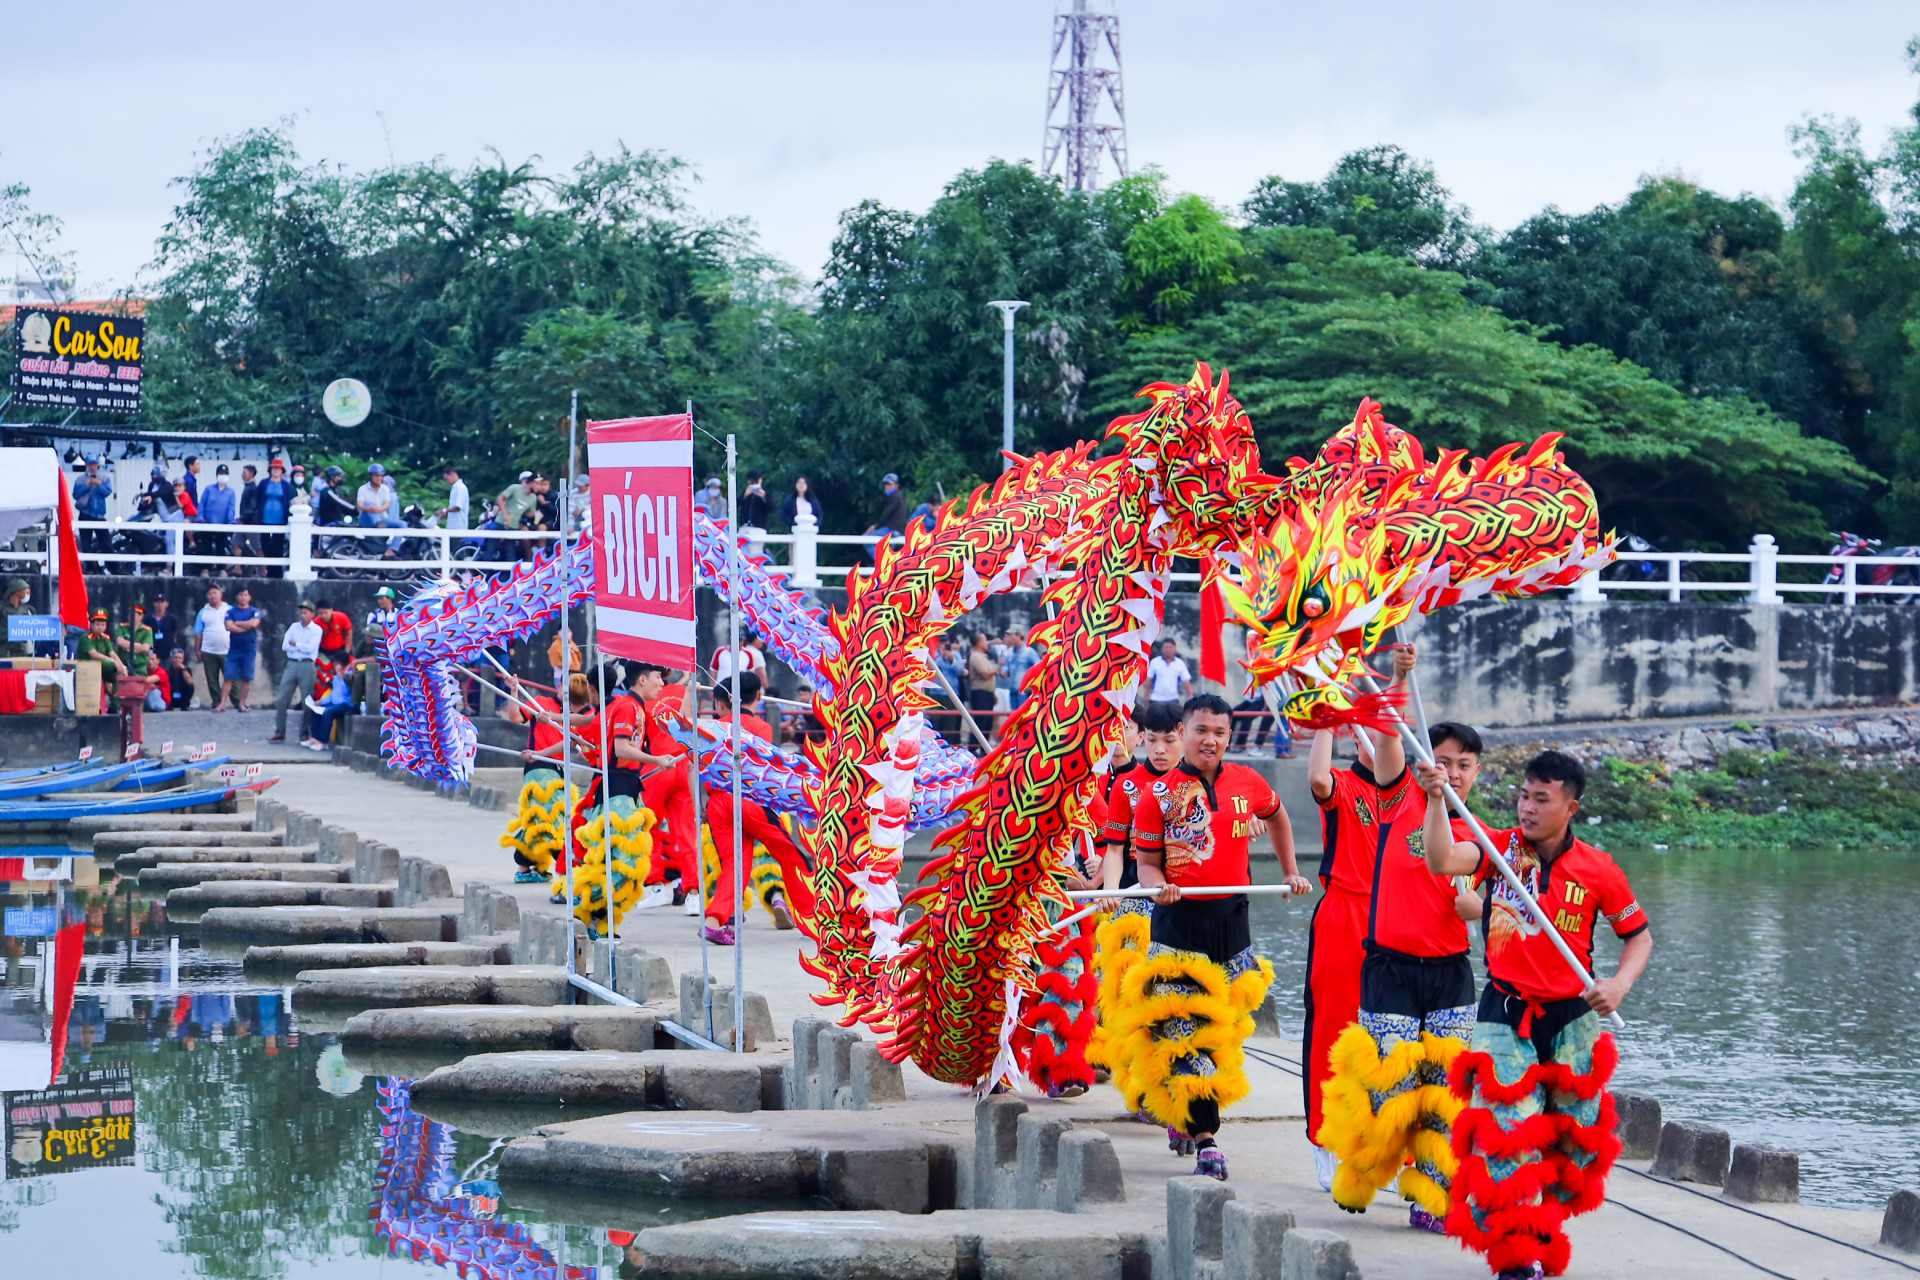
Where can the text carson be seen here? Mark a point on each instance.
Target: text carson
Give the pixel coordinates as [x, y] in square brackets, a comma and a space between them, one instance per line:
[101, 342]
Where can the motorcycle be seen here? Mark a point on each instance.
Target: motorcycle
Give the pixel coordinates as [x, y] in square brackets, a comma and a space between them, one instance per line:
[1627, 569]
[1879, 575]
[125, 541]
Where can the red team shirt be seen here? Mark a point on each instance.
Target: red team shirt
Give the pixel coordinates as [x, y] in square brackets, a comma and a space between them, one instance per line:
[624, 715]
[1350, 827]
[1412, 909]
[658, 714]
[1576, 890]
[1202, 833]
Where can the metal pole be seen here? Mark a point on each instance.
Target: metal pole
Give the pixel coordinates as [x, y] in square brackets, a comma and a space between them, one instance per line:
[565, 681]
[739, 863]
[699, 812]
[1007, 308]
[965, 711]
[606, 822]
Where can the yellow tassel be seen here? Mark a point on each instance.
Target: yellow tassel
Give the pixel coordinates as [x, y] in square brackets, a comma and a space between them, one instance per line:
[765, 876]
[1377, 1144]
[538, 830]
[1221, 1029]
[628, 829]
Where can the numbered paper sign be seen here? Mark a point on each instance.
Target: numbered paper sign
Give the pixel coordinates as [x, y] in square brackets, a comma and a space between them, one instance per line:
[253, 771]
[133, 751]
[86, 753]
[643, 571]
[165, 748]
[207, 750]
[228, 772]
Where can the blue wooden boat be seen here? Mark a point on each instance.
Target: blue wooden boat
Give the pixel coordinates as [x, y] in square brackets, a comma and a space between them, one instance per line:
[157, 774]
[161, 802]
[7, 775]
[27, 788]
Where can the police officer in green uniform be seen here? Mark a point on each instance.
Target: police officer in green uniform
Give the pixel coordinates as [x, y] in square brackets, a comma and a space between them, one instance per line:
[18, 605]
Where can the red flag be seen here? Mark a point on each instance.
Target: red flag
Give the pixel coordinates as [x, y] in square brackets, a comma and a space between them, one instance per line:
[73, 582]
[643, 537]
[69, 945]
[1213, 621]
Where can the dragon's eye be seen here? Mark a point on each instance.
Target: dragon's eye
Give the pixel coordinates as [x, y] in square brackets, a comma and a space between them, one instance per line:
[1314, 602]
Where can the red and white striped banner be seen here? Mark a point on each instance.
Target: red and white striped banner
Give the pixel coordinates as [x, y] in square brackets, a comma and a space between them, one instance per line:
[643, 569]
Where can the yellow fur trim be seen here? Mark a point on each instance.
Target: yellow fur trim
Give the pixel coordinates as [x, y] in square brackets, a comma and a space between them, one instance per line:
[537, 832]
[765, 876]
[1118, 942]
[1221, 1028]
[1376, 1144]
[628, 829]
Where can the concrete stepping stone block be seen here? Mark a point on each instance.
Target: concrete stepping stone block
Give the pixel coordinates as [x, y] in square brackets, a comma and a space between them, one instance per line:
[865, 1245]
[87, 827]
[404, 985]
[853, 1163]
[289, 925]
[115, 843]
[1036, 1160]
[173, 875]
[1761, 1174]
[1309, 1254]
[1639, 1128]
[1195, 1225]
[366, 955]
[1089, 1173]
[1252, 1240]
[132, 864]
[1900, 1227]
[996, 1151]
[189, 903]
[412, 1042]
[598, 1081]
[1692, 1152]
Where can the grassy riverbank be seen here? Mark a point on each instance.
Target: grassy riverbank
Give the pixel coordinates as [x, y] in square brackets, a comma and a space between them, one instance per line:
[1748, 799]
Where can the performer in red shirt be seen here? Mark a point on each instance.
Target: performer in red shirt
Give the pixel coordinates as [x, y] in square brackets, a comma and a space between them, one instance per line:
[1536, 1136]
[1352, 802]
[1201, 980]
[756, 825]
[1416, 1012]
[1123, 935]
[668, 791]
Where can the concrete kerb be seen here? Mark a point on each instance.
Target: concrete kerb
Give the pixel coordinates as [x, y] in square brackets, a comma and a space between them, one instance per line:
[1762, 1174]
[1195, 1226]
[629, 968]
[1308, 1254]
[1639, 1127]
[693, 1013]
[1036, 1160]
[1900, 1228]
[1693, 1152]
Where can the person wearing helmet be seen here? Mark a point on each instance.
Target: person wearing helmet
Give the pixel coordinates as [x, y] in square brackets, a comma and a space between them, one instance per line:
[379, 508]
[330, 504]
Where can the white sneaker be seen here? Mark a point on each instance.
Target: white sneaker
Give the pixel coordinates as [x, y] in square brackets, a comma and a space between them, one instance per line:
[656, 895]
[1324, 1163]
[692, 905]
[314, 744]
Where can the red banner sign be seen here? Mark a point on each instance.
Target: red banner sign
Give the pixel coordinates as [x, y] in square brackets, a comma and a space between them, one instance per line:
[643, 570]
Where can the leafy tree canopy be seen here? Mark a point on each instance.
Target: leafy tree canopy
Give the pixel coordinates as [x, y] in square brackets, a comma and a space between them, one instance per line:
[1385, 199]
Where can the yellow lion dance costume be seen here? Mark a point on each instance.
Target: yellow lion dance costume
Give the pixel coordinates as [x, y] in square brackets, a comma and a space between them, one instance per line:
[1178, 1031]
[631, 829]
[1391, 1115]
[538, 834]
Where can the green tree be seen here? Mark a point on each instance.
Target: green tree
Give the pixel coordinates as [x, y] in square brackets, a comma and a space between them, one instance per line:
[1385, 199]
[901, 370]
[1690, 285]
[1315, 326]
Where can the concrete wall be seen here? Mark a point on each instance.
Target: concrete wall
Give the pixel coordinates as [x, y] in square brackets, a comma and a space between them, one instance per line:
[1491, 663]
[1526, 662]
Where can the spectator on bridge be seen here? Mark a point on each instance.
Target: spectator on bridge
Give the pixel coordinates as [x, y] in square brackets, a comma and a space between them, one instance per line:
[276, 501]
[330, 504]
[301, 643]
[212, 642]
[298, 477]
[190, 477]
[379, 507]
[454, 514]
[1168, 679]
[90, 494]
[753, 660]
[755, 507]
[243, 652]
[1021, 658]
[519, 501]
[247, 545]
[983, 675]
[893, 513]
[802, 499]
[711, 502]
[179, 680]
[219, 505]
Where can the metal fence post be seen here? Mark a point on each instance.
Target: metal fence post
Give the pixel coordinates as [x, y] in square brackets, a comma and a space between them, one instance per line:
[300, 543]
[1851, 579]
[446, 553]
[1586, 588]
[1766, 570]
[806, 551]
[1673, 580]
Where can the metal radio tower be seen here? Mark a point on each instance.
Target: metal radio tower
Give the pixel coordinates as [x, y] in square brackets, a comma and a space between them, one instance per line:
[1080, 81]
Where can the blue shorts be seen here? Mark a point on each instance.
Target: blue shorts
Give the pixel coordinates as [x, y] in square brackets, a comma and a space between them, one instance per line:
[239, 666]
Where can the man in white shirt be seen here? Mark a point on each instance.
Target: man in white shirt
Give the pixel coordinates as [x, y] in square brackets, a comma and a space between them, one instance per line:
[376, 502]
[454, 514]
[301, 643]
[1168, 679]
[211, 640]
[753, 660]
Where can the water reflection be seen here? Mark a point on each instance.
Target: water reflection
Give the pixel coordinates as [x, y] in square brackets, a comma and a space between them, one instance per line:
[426, 1210]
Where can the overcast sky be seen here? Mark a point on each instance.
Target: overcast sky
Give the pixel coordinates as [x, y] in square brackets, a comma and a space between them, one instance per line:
[794, 111]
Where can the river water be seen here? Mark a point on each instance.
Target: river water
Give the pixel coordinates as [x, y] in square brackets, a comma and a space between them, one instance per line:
[1783, 1003]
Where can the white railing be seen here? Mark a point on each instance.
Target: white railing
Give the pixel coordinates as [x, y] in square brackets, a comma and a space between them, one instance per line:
[1758, 577]
[307, 548]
